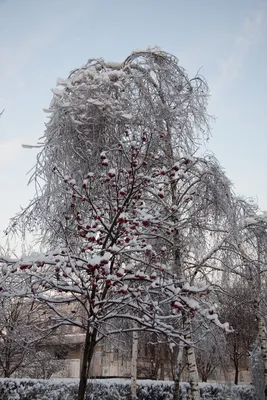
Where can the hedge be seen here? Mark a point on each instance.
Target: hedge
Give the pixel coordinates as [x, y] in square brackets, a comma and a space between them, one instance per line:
[33, 389]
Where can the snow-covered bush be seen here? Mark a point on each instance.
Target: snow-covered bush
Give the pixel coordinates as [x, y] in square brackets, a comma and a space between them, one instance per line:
[24, 389]
[226, 392]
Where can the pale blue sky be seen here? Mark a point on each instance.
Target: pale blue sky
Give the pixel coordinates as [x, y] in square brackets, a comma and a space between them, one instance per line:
[41, 40]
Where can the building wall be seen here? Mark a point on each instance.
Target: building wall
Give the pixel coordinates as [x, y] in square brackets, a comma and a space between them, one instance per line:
[111, 361]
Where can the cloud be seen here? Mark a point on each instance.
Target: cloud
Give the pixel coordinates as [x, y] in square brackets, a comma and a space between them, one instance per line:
[249, 35]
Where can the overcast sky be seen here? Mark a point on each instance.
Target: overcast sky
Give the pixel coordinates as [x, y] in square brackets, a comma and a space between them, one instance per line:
[41, 40]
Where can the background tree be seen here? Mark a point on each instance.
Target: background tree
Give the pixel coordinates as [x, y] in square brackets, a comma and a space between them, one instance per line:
[41, 365]
[237, 308]
[211, 354]
[22, 329]
[245, 257]
[154, 361]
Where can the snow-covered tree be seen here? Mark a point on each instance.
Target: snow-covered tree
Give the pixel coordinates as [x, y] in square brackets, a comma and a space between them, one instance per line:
[148, 99]
[246, 259]
[123, 266]
[134, 212]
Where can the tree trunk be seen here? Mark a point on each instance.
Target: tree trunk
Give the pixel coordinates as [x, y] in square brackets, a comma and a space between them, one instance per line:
[7, 369]
[179, 270]
[193, 374]
[162, 372]
[191, 363]
[6, 374]
[179, 368]
[134, 363]
[263, 345]
[162, 363]
[89, 346]
[176, 389]
[236, 373]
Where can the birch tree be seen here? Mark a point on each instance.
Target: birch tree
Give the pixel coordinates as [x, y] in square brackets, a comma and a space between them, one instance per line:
[247, 252]
[257, 371]
[254, 256]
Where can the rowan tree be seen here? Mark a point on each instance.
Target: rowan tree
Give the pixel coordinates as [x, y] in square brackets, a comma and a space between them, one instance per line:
[120, 271]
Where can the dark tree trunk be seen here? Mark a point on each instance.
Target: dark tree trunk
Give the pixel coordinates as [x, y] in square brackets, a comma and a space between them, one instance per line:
[7, 370]
[89, 346]
[236, 374]
[176, 389]
[162, 357]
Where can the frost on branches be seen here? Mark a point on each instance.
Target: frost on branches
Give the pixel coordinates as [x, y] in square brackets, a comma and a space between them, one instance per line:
[135, 215]
[148, 99]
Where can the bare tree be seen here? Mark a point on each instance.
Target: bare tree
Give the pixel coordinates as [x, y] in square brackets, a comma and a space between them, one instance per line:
[154, 361]
[21, 330]
[237, 308]
[246, 259]
[41, 365]
[211, 354]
